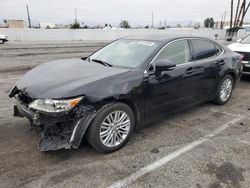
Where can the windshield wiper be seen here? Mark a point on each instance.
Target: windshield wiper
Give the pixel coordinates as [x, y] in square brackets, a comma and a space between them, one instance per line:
[102, 62]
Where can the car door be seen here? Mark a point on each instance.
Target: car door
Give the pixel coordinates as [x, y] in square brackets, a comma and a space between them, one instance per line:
[172, 89]
[208, 65]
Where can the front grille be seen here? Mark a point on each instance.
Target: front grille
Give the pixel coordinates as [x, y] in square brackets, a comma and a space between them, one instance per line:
[246, 69]
[246, 56]
[25, 99]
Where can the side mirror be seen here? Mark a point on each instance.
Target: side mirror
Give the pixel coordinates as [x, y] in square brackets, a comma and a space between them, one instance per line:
[164, 65]
[239, 40]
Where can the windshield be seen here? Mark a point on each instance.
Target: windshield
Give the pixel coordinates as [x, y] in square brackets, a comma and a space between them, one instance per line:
[246, 40]
[126, 53]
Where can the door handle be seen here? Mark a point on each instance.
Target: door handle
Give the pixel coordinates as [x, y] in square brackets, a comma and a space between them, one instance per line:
[221, 62]
[190, 70]
[200, 68]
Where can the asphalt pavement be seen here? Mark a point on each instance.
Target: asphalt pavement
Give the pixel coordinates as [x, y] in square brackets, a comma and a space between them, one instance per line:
[207, 146]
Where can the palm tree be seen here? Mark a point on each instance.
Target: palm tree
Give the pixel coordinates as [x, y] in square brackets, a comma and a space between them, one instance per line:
[244, 12]
[232, 9]
[236, 13]
[241, 10]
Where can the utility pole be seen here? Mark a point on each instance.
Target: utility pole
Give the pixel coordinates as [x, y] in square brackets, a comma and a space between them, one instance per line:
[152, 19]
[27, 8]
[75, 16]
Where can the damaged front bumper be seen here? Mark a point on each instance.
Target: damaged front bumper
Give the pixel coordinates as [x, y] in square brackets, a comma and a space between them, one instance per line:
[57, 130]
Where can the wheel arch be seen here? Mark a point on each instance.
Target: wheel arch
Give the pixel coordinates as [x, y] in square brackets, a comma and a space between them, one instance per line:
[234, 76]
[134, 108]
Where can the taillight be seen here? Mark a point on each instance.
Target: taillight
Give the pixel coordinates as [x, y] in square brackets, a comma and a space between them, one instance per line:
[241, 58]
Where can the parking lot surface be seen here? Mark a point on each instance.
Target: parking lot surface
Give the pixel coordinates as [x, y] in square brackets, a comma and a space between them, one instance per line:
[206, 146]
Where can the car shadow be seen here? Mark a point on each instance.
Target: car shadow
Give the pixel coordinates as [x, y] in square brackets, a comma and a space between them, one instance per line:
[245, 78]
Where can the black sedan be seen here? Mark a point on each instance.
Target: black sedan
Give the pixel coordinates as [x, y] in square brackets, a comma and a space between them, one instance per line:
[125, 85]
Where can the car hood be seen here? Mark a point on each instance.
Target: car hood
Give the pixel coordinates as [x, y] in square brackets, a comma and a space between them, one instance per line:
[64, 78]
[239, 47]
[3, 36]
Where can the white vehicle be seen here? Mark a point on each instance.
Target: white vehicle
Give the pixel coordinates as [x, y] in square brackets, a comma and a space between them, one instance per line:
[3, 38]
[243, 47]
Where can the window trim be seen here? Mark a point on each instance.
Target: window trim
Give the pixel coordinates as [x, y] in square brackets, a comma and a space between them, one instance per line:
[152, 61]
[222, 49]
[207, 40]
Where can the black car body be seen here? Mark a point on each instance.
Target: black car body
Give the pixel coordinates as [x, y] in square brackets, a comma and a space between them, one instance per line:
[151, 90]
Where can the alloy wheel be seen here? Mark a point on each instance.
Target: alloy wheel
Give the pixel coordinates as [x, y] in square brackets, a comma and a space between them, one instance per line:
[226, 89]
[115, 128]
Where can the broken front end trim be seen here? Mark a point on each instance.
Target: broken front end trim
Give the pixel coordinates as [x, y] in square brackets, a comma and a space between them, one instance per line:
[58, 130]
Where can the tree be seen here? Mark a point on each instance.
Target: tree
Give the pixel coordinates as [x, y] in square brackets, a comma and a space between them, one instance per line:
[236, 13]
[240, 13]
[206, 22]
[245, 9]
[124, 24]
[75, 25]
[232, 9]
[209, 22]
[178, 25]
[5, 21]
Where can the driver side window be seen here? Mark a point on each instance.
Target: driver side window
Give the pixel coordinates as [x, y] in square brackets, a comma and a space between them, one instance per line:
[178, 52]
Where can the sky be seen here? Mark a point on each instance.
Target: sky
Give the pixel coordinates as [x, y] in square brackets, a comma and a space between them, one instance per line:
[137, 12]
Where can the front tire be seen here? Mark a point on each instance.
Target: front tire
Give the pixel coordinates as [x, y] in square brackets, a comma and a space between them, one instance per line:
[111, 128]
[225, 90]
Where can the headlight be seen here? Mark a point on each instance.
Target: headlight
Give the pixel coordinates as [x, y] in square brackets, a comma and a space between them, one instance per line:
[50, 105]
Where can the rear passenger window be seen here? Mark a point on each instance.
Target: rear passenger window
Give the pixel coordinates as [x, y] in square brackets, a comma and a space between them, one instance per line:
[203, 49]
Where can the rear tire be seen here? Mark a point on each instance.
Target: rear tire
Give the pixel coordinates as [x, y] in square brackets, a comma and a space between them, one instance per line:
[224, 90]
[111, 128]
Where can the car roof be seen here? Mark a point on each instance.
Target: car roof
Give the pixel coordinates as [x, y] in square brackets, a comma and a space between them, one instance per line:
[161, 37]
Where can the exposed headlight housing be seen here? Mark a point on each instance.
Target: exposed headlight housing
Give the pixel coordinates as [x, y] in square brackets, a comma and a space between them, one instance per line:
[54, 106]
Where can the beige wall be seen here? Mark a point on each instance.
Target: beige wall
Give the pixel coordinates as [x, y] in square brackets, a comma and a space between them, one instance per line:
[15, 23]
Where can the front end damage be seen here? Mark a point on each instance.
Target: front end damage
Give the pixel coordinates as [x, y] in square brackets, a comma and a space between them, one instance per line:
[57, 130]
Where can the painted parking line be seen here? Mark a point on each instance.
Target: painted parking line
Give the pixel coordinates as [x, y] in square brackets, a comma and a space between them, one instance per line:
[244, 141]
[230, 114]
[164, 160]
[226, 113]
